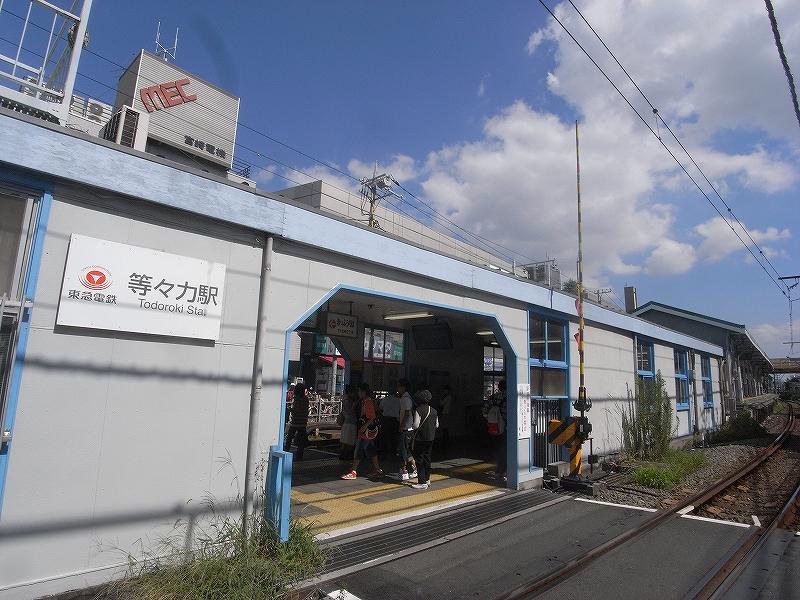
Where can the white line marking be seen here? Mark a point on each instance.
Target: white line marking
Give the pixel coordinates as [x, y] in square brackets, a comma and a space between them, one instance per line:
[341, 595]
[710, 520]
[686, 509]
[757, 521]
[617, 505]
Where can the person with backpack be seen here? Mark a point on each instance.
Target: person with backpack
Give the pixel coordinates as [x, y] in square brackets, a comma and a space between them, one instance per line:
[425, 424]
[368, 428]
[298, 421]
[494, 411]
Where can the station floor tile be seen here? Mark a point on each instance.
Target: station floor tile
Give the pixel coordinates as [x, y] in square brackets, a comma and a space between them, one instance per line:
[329, 503]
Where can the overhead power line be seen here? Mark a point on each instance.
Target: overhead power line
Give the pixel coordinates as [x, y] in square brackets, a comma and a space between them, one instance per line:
[672, 155]
[435, 216]
[660, 118]
[784, 61]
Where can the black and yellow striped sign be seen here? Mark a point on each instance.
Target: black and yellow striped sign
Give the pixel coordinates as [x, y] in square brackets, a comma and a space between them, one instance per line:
[562, 433]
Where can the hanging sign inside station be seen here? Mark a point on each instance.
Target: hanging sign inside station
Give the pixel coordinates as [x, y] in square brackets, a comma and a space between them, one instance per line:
[117, 287]
[340, 325]
[524, 411]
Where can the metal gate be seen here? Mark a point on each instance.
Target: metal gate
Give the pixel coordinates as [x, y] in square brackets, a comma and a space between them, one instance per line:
[544, 410]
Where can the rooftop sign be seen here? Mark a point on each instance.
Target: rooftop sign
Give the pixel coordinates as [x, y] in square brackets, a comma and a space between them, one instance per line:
[185, 112]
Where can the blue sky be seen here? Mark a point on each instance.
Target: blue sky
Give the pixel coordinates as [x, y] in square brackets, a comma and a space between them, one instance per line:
[472, 104]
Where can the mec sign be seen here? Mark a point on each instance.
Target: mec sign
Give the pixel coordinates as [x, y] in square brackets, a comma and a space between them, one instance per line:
[158, 97]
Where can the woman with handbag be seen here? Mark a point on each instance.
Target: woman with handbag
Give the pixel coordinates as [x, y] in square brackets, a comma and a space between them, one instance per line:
[348, 420]
[368, 428]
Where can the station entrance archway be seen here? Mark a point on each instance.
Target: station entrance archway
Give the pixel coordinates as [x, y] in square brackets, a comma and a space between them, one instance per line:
[433, 346]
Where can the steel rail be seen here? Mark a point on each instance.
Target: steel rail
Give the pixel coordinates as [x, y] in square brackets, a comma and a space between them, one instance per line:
[571, 567]
[716, 582]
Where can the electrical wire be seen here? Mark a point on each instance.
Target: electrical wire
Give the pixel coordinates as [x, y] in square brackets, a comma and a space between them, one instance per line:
[660, 118]
[675, 158]
[782, 54]
[482, 242]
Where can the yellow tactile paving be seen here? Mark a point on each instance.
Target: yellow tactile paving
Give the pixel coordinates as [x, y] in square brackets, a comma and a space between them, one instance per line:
[344, 509]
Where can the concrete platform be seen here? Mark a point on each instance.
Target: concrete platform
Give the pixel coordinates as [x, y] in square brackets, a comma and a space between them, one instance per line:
[332, 504]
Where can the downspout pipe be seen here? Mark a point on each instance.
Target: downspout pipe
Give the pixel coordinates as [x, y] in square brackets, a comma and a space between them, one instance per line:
[256, 386]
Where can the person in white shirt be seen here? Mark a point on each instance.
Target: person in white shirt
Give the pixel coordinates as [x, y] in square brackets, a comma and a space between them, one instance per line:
[408, 470]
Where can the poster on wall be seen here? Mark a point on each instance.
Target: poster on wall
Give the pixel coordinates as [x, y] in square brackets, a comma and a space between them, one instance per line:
[524, 411]
[118, 287]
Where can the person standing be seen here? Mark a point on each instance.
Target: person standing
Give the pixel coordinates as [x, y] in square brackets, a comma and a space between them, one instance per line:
[350, 414]
[444, 415]
[494, 411]
[298, 421]
[390, 423]
[408, 470]
[424, 435]
[367, 432]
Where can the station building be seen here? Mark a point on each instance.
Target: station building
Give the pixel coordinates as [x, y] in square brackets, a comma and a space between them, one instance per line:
[148, 291]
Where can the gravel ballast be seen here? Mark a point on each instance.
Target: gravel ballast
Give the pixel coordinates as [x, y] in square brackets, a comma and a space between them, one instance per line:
[721, 461]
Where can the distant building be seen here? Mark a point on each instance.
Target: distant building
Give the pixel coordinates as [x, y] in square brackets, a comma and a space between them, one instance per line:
[745, 366]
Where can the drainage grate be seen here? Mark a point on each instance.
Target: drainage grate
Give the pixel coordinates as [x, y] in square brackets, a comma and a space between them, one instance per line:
[393, 540]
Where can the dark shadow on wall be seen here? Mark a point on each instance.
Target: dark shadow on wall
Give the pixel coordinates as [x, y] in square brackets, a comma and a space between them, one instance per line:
[105, 369]
[177, 514]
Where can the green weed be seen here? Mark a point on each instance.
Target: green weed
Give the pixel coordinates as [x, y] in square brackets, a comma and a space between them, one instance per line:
[677, 465]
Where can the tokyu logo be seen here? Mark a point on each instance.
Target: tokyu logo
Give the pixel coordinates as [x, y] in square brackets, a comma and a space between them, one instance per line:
[95, 278]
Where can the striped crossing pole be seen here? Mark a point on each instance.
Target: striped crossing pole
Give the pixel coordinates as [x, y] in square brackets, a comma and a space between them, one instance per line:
[582, 403]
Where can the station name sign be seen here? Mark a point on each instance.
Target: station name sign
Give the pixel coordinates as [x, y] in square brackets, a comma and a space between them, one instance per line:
[340, 325]
[118, 287]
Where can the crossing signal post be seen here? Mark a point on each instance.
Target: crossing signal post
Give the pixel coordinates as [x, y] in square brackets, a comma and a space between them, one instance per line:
[573, 431]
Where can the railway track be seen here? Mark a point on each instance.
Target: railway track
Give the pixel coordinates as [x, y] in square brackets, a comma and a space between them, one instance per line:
[751, 491]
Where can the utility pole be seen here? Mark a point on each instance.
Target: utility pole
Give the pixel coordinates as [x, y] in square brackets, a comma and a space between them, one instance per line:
[374, 190]
[789, 289]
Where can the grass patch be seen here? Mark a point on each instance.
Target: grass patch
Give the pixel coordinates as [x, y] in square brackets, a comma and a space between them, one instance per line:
[741, 427]
[676, 466]
[226, 563]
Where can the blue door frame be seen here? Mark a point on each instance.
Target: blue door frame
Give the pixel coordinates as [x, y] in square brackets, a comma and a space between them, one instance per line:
[502, 339]
[44, 191]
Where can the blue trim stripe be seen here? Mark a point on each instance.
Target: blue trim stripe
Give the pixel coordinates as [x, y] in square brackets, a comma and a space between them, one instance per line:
[31, 280]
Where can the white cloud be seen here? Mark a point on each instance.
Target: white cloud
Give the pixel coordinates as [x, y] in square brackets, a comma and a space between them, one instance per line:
[517, 187]
[770, 338]
[481, 88]
[536, 38]
[718, 241]
[670, 258]
[402, 167]
[516, 183]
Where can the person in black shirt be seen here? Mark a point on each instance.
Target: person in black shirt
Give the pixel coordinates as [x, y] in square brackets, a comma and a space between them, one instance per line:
[423, 439]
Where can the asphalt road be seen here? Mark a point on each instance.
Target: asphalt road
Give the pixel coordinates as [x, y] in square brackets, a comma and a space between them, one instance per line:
[495, 560]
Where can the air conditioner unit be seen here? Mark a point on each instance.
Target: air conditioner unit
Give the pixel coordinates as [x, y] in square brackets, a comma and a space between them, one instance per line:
[127, 128]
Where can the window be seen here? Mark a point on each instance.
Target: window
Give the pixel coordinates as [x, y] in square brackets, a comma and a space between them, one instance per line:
[681, 360]
[547, 341]
[548, 359]
[705, 378]
[644, 358]
[493, 369]
[384, 345]
[549, 384]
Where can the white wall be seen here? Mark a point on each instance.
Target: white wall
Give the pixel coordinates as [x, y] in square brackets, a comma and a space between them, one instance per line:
[117, 435]
[609, 377]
